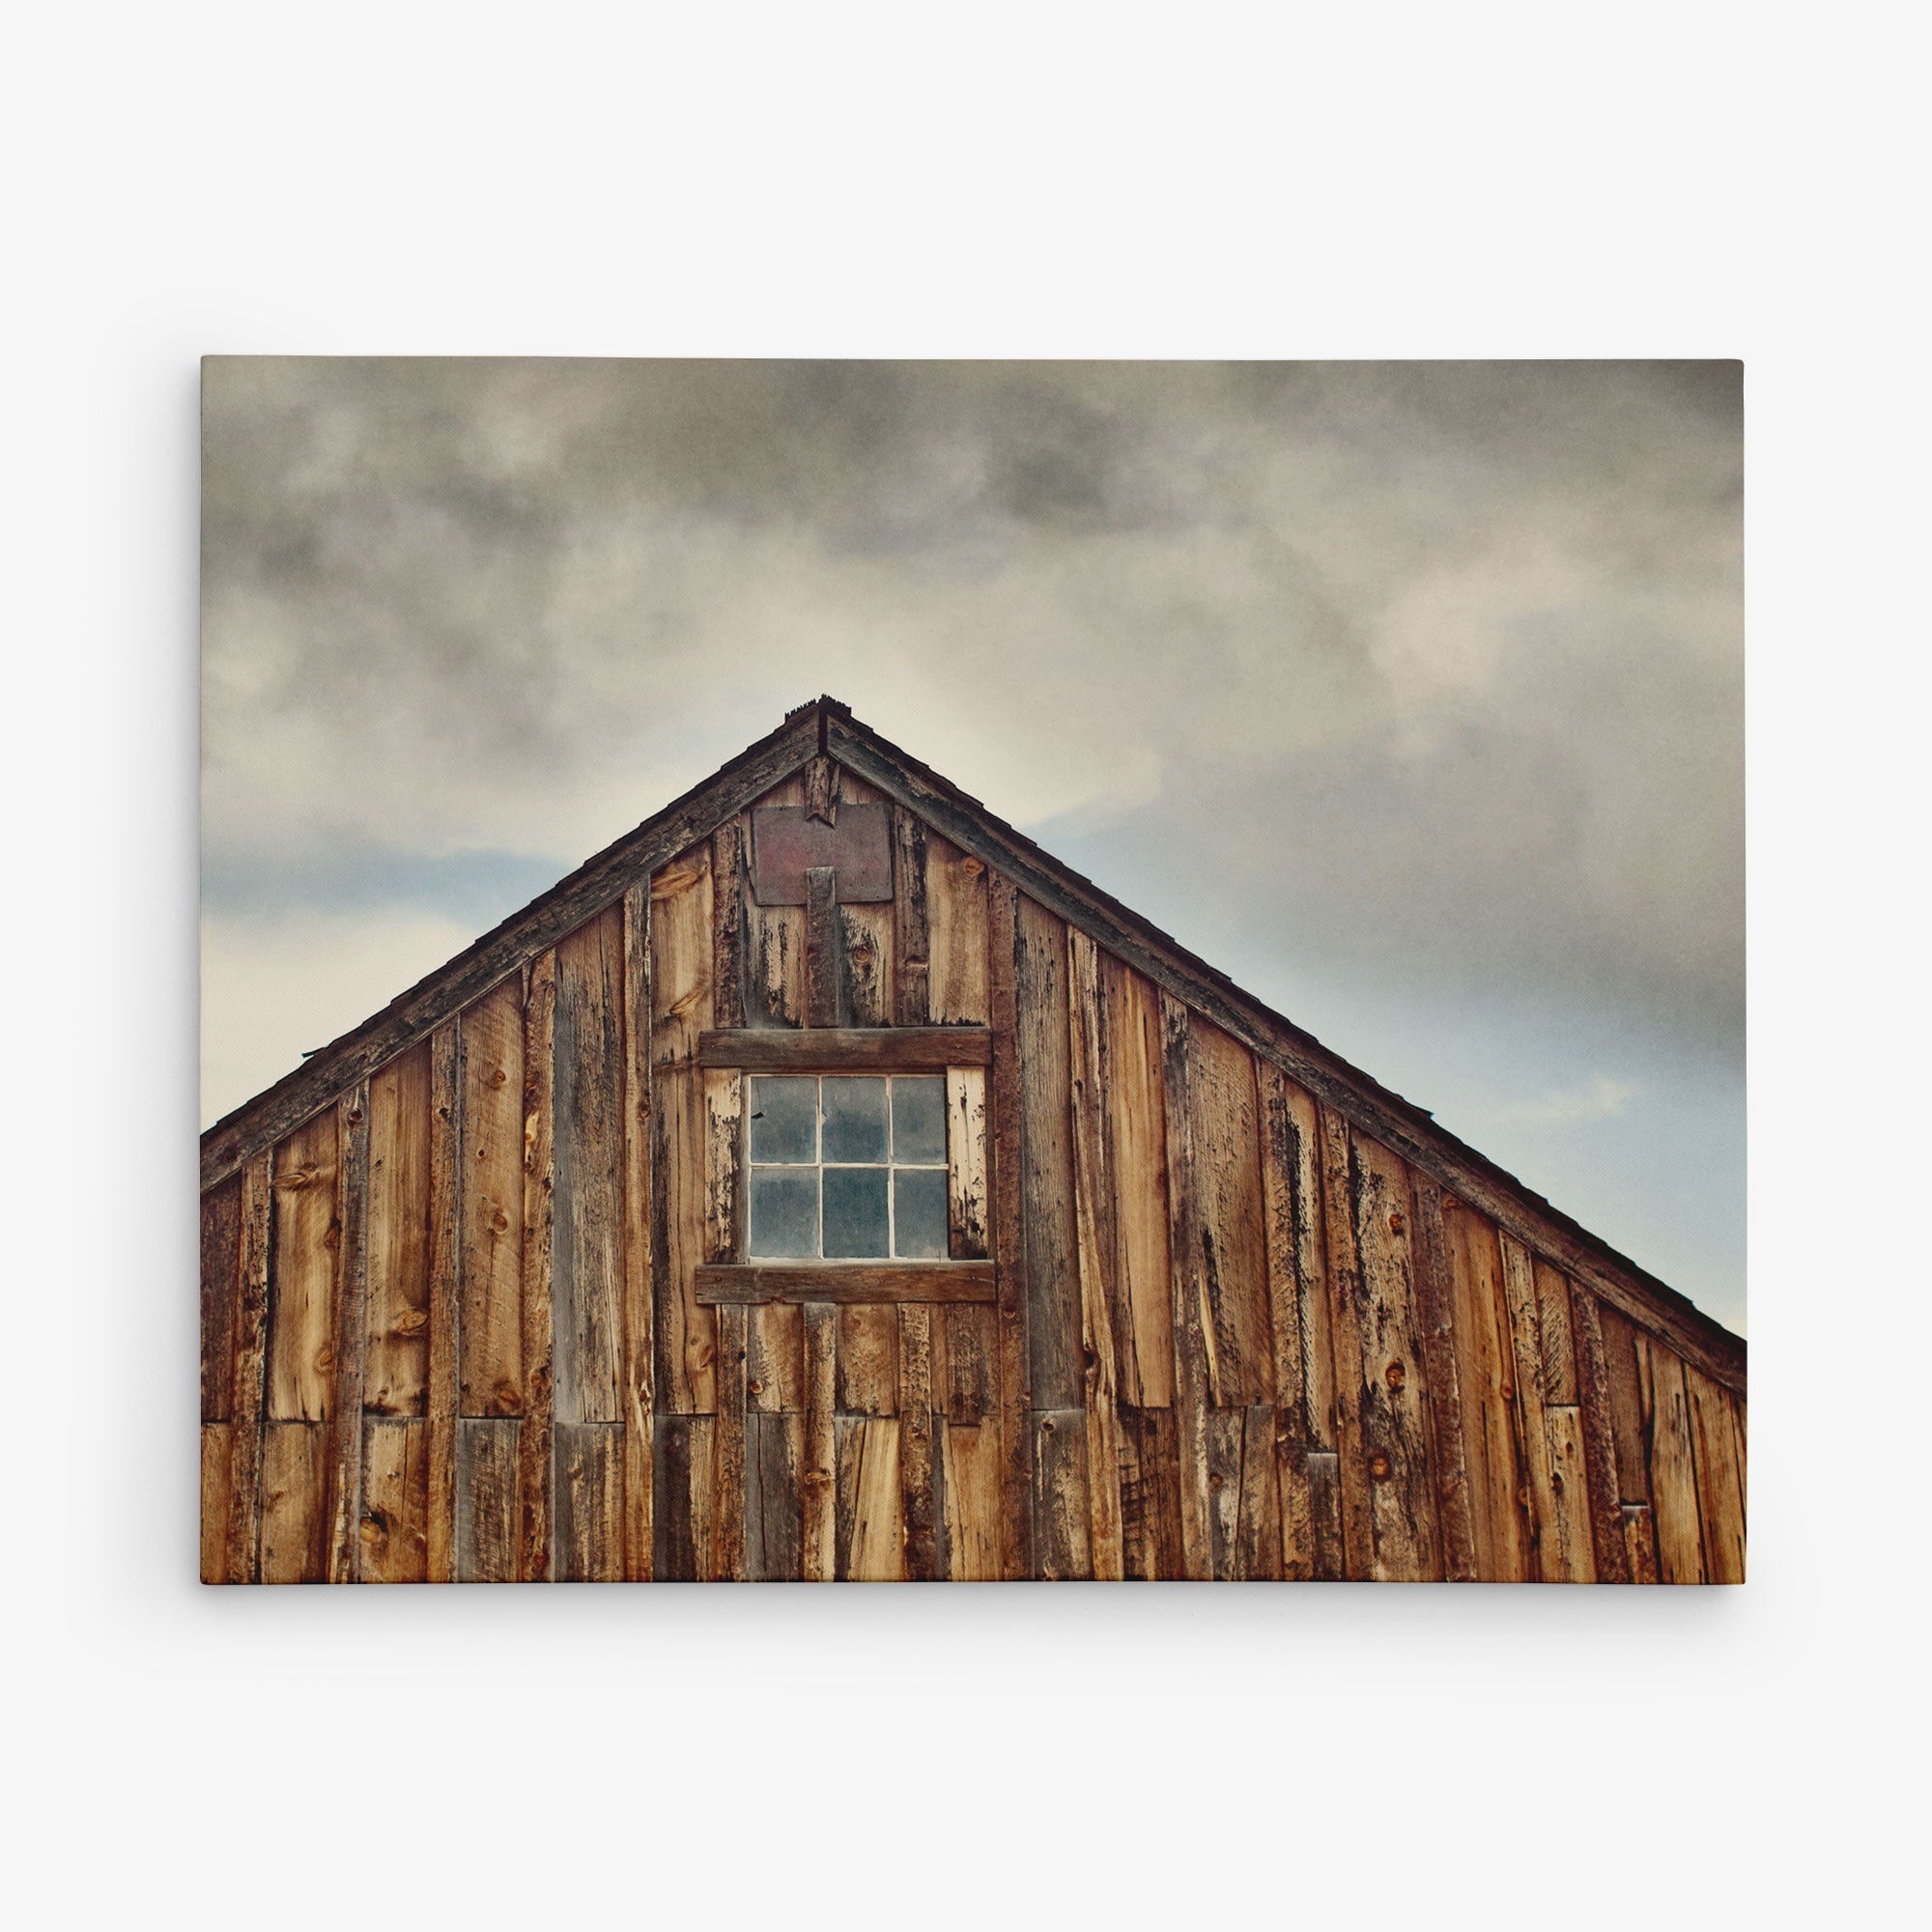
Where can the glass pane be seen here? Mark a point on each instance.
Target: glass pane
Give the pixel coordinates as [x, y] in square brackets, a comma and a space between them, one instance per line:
[784, 1211]
[918, 1120]
[855, 1121]
[919, 1212]
[784, 1119]
[855, 1212]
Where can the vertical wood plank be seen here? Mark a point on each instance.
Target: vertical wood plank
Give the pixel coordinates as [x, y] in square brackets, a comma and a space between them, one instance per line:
[349, 1322]
[443, 1396]
[774, 1449]
[589, 1502]
[307, 1233]
[534, 1439]
[1486, 1376]
[872, 1524]
[1189, 1309]
[639, 1366]
[866, 994]
[242, 1563]
[1134, 1143]
[1559, 1357]
[490, 1324]
[220, 1296]
[966, 1162]
[684, 1490]
[1346, 1304]
[1626, 1405]
[681, 986]
[1010, 1237]
[485, 1499]
[824, 975]
[1289, 1244]
[1720, 1490]
[1258, 1544]
[818, 1480]
[1673, 1467]
[1228, 1218]
[218, 1451]
[396, 1365]
[587, 1257]
[972, 1363]
[1095, 1244]
[1325, 1511]
[1224, 1490]
[1046, 1155]
[869, 1364]
[775, 1358]
[957, 935]
[1062, 1510]
[773, 973]
[728, 1456]
[917, 1492]
[911, 941]
[1600, 1453]
[1151, 1542]
[393, 1533]
[730, 924]
[971, 1458]
[1532, 1432]
[295, 1503]
[1443, 1447]
[1640, 1542]
[1402, 1490]
[1569, 1557]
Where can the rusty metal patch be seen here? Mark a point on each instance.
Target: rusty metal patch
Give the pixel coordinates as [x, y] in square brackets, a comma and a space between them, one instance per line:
[785, 841]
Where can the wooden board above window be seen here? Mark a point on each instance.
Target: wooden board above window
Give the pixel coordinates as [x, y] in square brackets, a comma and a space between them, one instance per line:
[846, 1049]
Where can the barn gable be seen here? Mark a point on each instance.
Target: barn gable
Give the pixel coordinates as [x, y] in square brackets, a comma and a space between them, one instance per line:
[477, 1300]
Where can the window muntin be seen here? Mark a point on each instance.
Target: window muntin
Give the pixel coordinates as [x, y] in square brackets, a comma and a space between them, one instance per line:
[847, 1167]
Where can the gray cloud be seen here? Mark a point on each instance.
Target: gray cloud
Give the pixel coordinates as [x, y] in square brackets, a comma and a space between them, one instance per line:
[1425, 674]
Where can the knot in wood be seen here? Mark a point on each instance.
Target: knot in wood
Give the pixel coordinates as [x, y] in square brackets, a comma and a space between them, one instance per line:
[1396, 1222]
[1395, 1376]
[1379, 1467]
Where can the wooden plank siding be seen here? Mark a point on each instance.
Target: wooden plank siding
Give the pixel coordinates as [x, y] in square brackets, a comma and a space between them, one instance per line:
[484, 1315]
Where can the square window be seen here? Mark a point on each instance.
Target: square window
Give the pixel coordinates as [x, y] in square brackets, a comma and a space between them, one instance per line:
[856, 1227]
[919, 1212]
[784, 1211]
[784, 1119]
[919, 1120]
[855, 1120]
[846, 1167]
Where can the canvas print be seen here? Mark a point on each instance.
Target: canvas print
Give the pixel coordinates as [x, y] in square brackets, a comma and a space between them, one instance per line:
[773, 934]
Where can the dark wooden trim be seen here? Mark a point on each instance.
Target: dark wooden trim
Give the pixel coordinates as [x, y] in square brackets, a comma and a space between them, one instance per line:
[851, 1283]
[226, 1147]
[846, 1049]
[1407, 1129]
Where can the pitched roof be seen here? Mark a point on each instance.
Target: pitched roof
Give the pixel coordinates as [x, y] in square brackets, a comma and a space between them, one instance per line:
[826, 726]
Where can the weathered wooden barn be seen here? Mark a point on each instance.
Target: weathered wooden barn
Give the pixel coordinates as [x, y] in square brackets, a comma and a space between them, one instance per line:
[824, 1182]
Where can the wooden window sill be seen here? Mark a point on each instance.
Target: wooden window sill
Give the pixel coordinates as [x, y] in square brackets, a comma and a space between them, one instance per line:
[847, 1282]
[846, 1049]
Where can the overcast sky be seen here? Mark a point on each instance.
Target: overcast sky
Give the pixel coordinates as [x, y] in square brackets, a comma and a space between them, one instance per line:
[1409, 694]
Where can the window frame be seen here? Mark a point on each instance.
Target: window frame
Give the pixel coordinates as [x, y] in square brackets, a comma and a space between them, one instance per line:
[819, 1165]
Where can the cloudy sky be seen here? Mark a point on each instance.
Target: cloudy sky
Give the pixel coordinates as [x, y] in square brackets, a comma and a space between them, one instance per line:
[1409, 694]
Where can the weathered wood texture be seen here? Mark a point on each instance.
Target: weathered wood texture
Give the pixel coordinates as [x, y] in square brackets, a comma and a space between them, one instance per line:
[850, 1284]
[443, 1396]
[832, 1049]
[483, 1315]
[681, 992]
[534, 1438]
[588, 1257]
[491, 1214]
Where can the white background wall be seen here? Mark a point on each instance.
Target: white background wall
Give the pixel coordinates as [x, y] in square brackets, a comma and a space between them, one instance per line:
[1019, 181]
